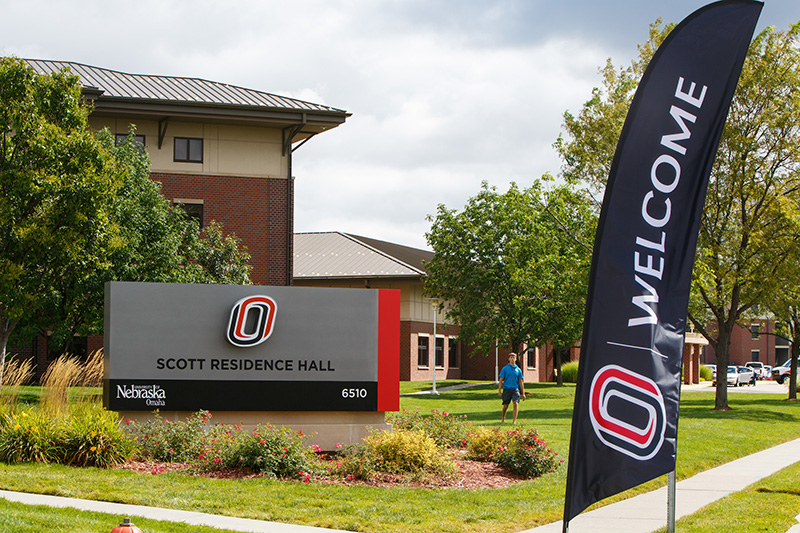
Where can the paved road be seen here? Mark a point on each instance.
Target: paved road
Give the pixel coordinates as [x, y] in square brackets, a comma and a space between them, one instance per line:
[766, 386]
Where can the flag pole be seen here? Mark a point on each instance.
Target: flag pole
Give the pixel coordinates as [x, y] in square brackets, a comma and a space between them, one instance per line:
[671, 502]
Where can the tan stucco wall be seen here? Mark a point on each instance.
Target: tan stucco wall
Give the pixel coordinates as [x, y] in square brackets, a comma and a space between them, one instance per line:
[413, 305]
[248, 151]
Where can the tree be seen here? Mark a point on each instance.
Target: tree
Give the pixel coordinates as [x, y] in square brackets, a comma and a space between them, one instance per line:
[785, 305]
[154, 242]
[55, 185]
[744, 236]
[509, 267]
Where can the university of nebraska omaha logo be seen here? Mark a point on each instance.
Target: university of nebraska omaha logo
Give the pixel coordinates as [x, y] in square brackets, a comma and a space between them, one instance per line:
[627, 412]
[252, 320]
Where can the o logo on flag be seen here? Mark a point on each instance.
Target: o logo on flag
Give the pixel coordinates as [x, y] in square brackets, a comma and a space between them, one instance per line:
[252, 320]
[627, 412]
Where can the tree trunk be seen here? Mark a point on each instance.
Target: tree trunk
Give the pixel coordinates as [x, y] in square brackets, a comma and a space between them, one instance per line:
[795, 351]
[6, 328]
[723, 358]
[559, 379]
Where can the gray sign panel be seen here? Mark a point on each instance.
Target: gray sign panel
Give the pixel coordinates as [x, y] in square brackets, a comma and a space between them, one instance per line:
[180, 332]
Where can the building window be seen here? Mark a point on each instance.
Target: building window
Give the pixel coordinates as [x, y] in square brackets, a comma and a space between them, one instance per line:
[138, 140]
[532, 358]
[439, 352]
[754, 355]
[754, 331]
[77, 347]
[188, 150]
[452, 352]
[422, 351]
[192, 208]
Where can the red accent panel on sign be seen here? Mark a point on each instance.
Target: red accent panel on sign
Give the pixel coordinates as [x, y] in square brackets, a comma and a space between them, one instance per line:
[388, 350]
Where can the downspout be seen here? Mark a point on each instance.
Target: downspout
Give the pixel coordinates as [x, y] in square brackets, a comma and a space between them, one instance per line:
[289, 220]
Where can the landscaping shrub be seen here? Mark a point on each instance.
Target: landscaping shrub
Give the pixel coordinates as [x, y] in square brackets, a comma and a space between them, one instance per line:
[706, 374]
[28, 437]
[276, 452]
[447, 430]
[569, 372]
[524, 453]
[482, 443]
[93, 437]
[519, 451]
[406, 451]
[356, 462]
[162, 440]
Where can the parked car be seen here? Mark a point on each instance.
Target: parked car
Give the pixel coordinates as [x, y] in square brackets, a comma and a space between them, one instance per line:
[758, 367]
[739, 375]
[747, 376]
[713, 368]
[781, 372]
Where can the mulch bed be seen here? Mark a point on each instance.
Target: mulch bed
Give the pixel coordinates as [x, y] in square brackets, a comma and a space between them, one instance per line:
[470, 475]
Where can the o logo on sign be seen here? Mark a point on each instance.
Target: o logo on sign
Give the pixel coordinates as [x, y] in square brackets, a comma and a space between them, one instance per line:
[627, 412]
[252, 320]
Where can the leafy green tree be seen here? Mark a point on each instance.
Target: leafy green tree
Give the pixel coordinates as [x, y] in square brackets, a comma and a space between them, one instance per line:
[55, 189]
[785, 304]
[510, 267]
[744, 237]
[154, 242]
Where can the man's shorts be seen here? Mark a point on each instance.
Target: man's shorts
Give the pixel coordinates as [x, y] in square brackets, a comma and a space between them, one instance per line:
[510, 395]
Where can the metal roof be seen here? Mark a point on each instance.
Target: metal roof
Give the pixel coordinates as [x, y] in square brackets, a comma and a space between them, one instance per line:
[340, 255]
[114, 84]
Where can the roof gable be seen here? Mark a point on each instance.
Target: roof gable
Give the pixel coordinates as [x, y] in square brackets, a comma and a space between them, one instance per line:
[340, 255]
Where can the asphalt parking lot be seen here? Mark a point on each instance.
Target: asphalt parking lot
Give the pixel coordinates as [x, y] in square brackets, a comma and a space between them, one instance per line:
[766, 386]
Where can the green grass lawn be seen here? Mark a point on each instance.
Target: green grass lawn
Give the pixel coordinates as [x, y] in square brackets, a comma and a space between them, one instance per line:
[706, 439]
[21, 518]
[769, 505]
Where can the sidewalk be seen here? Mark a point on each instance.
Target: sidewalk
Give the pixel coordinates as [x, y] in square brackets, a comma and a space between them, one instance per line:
[122, 510]
[445, 389]
[648, 512]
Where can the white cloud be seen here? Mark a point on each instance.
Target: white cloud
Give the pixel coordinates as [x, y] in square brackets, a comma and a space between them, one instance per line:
[444, 93]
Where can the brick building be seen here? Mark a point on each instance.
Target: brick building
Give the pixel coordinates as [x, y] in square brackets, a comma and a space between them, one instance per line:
[334, 259]
[221, 151]
[754, 341]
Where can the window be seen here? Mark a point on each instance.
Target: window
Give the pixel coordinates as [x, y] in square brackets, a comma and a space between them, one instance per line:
[754, 355]
[439, 352]
[188, 150]
[452, 352]
[77, 347]
[192, 208]
[138, 140]
[754, 331]
[422, 351]
[532, 358]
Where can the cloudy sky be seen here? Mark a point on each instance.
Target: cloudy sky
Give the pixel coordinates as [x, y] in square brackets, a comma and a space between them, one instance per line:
[444, 94]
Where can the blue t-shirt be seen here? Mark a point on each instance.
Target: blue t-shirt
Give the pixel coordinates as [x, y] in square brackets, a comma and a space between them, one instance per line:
[511, 374]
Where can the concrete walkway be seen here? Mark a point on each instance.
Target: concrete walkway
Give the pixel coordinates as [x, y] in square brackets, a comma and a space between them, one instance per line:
[648, 512]
[123, 510]
[445, 389]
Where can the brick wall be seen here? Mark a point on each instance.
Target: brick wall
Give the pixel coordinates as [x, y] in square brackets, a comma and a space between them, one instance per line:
[255, 209]
[409, 337]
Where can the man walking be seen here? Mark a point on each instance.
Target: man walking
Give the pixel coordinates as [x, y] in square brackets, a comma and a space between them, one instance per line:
[511, 386]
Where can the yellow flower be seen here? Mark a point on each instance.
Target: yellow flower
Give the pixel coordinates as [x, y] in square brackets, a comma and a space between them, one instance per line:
[93, 448]
[93, 433]
[16, 426]
[24, 414]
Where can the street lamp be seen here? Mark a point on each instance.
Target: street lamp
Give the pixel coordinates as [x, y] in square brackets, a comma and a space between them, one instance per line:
[434, 307]
[496, 363]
